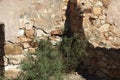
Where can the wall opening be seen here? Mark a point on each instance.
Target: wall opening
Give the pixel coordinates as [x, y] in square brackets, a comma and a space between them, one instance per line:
[2, 40]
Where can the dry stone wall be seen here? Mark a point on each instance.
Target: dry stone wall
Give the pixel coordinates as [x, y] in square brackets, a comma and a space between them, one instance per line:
[101, 23]
[45, 19]
[34, 20]
[102, 62]
[98, 22]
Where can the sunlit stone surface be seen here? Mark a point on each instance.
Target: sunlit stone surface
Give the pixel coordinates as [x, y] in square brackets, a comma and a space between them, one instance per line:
[113, 12]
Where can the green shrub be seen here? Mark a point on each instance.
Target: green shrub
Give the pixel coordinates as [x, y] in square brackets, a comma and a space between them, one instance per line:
[73, 49]
[50, 62]
[45, 64]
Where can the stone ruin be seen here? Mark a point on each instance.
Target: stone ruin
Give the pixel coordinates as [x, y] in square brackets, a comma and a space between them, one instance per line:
[27, 21]
[98, 22]
[101, 25]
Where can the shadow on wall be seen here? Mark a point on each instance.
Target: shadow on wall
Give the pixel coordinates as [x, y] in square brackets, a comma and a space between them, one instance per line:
[2, 40]
[74, 20]
[68, 31]
[102, 62]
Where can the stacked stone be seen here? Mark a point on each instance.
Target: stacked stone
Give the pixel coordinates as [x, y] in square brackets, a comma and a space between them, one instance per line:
[100, 31]
[103, 63]
[34, 25]
[15, 52]
[97, 26]
[56, 33]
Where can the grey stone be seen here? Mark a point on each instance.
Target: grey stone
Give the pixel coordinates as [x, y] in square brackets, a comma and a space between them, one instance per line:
[20, 32]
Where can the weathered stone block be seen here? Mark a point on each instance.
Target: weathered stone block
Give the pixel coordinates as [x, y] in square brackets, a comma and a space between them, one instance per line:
[40, 33]
[104, 28]
[15, 59]
[13, 49]
[57, 31]
[12, 72]
[29, 33]
[97, 10]
[105, 3]
[31, 50]
[29, 25]
[23, 39]
[26, 45]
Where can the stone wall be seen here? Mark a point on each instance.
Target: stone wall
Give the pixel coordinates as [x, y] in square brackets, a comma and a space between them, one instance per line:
[97, 21]
[102, 62]
[101, 24]
[26, 22]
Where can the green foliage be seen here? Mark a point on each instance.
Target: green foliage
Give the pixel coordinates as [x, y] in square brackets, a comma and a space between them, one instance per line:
[73, 49]
[45, 64]
[50, 62]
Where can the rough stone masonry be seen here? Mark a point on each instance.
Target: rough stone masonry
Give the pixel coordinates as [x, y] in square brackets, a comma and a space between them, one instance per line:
[98, 22]
[101, 25]
[27, 21]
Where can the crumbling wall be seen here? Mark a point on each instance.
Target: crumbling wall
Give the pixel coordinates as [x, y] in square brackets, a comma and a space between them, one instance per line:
[97, 21]
[26, 22]
[101, 24]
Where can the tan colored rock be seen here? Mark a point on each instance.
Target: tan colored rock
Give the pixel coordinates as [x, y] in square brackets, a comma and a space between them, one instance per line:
[116, 41]
[104, 28]
[113, 13]
[57, 31]
[97, 10]
[13, 49]
[40, 33]
[29, 25]
[26, 45]
[9, 48]
[11, 71]
[99, 4]
[74, 76]
[31, 50]
[103, 17]
[17, 49]
[29, 33]
[64, 8]
[63, 17]
[105, 3]
[15, 59]
[23, 39]
[6, 61]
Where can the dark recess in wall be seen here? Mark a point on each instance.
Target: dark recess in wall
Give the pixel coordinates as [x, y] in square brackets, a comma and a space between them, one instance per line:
[2, 40]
